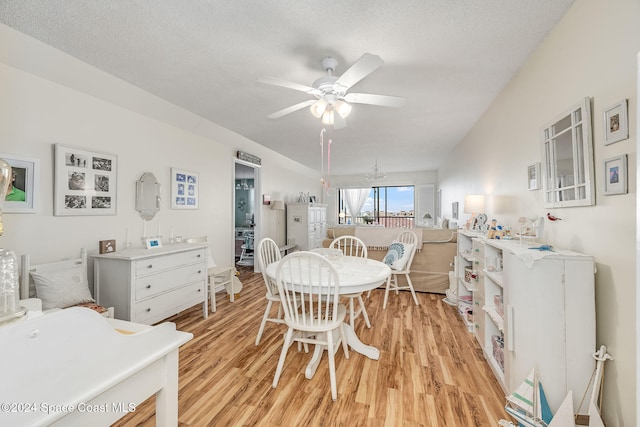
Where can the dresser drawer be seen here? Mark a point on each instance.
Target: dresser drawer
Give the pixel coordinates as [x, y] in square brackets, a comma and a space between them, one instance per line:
[153, 284]
[157, 307]
[167, 262]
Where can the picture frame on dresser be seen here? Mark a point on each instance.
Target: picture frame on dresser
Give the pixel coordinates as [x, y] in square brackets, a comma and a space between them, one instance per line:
[184, 189]
[85, 182]
[616, 123]
[615, 175]
[26, 178]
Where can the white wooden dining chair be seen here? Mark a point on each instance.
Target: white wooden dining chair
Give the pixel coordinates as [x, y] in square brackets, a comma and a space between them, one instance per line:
[407, 238]
[353, 246]
[268, 252]
[309, 290]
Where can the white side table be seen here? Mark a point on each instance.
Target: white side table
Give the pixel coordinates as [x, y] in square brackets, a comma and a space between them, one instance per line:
[225, 274]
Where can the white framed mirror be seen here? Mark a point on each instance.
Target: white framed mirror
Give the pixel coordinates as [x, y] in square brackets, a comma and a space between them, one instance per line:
[567, 152]
[147, 196]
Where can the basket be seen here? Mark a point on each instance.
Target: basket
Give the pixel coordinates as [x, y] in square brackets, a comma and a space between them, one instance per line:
[468, 274]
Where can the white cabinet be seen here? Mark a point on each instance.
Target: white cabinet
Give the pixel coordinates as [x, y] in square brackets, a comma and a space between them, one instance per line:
[149, 285]
[306, 224]
[540, 306]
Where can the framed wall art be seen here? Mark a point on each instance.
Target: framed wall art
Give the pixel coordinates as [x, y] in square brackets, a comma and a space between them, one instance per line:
[615, 175]
[616, 123]
[454, 210]
[85, 182]
[184, 189]
[23, 190]
[533, 177]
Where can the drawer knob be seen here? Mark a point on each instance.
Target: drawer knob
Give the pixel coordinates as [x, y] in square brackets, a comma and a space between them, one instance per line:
[148, 310]
[199, 255]
[150, 266]
[148, 286]
[199, 271]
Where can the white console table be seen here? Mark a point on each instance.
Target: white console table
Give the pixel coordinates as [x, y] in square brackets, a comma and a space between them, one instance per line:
[149, 285]
[73, 367]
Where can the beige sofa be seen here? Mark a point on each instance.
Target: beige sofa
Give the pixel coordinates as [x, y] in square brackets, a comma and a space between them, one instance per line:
[431, 264]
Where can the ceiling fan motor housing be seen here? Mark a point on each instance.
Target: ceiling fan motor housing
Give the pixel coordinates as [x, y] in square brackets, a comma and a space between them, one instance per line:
[329, 64]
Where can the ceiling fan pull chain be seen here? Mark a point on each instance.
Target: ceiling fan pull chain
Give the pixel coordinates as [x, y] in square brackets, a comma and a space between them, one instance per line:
[328, 166]
[322, 181]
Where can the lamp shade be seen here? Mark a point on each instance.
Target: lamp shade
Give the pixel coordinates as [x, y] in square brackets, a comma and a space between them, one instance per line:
[343, 109]
[318, 108]
[327, 117]
[277, 205]
[473, 203]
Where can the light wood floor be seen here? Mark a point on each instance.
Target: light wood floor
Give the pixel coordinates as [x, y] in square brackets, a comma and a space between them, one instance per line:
[431, 371]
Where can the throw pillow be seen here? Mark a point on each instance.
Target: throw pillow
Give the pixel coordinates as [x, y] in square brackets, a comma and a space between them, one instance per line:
[398, 255]
[63, 288]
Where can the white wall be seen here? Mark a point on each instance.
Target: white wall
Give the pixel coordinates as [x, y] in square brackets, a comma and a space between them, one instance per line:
[592, 52]
[47, 97]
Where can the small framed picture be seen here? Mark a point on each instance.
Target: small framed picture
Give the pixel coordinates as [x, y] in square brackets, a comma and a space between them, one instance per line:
[184, 189]
[23, 185]
[533, 177]
[153, 242]
[107, 246]
[266, 199]
[615, 175]
[454, 210]
[616, 124]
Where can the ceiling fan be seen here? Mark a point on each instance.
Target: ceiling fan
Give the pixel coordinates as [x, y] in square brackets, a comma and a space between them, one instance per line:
[332, 102]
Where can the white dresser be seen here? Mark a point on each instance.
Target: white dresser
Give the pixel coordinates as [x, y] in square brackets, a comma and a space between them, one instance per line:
[149, 285]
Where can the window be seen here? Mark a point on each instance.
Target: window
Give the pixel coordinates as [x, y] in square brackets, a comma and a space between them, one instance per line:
[387, 206]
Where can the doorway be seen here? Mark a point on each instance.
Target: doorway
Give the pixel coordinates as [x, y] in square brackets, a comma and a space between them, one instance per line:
[246, 212]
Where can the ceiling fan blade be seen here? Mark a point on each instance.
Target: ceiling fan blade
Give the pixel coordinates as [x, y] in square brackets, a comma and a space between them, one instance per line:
[290, 85]
[382, 100]
[339, 122]
[364, 66]
[291, 109]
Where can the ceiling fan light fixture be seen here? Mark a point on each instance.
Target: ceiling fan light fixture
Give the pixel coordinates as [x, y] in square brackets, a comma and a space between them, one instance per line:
[343, 109]
[318, 108]
[327, 117]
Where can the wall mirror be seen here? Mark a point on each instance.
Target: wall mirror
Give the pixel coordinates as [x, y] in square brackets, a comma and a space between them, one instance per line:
[147, 196]
[567, 150]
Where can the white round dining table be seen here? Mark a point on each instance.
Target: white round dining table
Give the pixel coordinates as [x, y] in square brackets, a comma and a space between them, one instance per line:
[355, 275]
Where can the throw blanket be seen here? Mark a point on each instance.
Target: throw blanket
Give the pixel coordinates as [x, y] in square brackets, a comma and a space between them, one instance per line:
[377, 238]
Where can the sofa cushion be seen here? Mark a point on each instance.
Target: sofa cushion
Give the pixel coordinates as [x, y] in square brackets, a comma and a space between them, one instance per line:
[398, 255]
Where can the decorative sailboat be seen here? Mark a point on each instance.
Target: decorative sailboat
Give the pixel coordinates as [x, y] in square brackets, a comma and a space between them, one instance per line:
[518, 403]
[528, 404]
[565, 417]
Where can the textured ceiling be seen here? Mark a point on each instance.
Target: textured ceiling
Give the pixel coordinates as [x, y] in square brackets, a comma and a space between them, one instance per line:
[448, 58]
